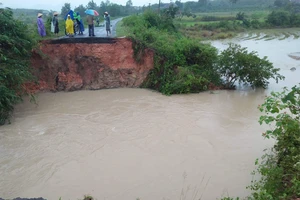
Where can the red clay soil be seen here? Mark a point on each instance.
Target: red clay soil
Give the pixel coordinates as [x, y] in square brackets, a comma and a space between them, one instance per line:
[76, 66]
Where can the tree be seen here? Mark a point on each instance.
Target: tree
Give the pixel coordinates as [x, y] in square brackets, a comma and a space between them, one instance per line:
[129, 4]
[203, 2]
[237, 64]
[15, 52]
[103, 7]
[233, 1]
[281, 3]
[80, 9]
[114, 10]
[279, 18]
[91, 5]
[171, 11]
[65, 9]
[179, 4]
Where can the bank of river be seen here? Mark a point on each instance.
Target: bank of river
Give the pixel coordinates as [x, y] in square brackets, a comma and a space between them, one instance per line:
[136, 143]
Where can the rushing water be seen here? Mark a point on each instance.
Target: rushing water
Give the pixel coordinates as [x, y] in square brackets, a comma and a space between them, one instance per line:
[135, 143]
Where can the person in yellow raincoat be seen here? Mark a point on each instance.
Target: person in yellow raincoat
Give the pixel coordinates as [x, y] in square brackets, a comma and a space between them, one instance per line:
[69, 26]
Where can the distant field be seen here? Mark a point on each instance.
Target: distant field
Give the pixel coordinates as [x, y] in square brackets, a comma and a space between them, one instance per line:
[271, 34]
[190, 21]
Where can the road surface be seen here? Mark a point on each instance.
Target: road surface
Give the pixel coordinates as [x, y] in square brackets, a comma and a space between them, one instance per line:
[100, 31]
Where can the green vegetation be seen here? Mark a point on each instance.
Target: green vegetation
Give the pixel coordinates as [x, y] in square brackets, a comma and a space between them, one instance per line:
[280, 168]
[120, 29]
[16, 46]
[238, 18]
[185, 65]
[237, 64]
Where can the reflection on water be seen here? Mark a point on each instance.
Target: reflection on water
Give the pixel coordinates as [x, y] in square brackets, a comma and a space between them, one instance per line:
[135, 143]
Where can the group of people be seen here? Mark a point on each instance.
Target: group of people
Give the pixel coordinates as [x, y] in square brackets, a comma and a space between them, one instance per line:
[70, 26]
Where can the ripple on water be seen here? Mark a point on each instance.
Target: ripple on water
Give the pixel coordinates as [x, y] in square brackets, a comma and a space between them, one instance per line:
[130, 143]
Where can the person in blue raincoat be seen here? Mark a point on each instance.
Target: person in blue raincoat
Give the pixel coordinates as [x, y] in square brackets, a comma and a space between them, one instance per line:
[77, 17]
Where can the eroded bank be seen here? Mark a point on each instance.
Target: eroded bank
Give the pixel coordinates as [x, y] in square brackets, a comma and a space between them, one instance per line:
[88, 63]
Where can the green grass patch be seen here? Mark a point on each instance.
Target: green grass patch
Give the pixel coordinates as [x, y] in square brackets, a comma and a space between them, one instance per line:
[121, 30]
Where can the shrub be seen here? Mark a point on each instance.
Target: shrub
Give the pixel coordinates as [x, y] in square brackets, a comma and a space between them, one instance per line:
[16, 46]
[184, 65]
[256, 24]
[280, 169]
[237, 64]
[240, 16]
[279, 18]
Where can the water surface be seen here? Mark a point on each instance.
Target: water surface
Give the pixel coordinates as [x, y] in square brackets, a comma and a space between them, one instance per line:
[136, 143]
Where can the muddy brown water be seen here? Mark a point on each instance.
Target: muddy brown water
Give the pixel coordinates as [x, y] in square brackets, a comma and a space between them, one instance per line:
[136, 143]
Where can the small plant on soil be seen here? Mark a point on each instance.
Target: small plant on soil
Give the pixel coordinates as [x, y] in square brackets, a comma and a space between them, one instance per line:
[88, 197]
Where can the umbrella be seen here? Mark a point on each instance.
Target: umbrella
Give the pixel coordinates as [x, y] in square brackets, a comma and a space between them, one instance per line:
[91, 12]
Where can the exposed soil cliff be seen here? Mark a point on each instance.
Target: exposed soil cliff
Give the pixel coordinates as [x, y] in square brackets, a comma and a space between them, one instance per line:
[88, 63]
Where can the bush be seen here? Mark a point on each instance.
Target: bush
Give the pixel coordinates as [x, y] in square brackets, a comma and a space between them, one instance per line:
[237, 64]
[16, 46]
[279, 18]
[256, 24]
[280, 169]
[240, 16]
[184, 65]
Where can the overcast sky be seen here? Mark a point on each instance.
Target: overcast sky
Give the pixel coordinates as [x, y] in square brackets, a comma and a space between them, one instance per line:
[57, 4]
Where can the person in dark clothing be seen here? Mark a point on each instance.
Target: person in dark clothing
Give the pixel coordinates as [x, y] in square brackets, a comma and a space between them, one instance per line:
[55, 23]
[107, 23]
[90, 21]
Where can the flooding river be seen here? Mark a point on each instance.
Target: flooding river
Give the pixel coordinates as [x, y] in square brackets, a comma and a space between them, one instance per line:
[136, 143]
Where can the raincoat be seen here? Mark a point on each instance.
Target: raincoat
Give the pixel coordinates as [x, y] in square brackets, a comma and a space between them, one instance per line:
[78, 18]
[41, 27]
[69, 26]
[107, 22]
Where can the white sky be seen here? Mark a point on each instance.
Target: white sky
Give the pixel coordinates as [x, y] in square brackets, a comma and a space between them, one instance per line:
[57, 4]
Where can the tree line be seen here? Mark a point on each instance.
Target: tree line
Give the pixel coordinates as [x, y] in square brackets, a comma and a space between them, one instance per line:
[112, 8]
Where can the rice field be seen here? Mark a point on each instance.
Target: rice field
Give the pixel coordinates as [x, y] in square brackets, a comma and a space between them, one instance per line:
[271, 34]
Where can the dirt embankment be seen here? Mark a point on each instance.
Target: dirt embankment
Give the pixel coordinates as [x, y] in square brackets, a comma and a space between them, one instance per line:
[88, 63]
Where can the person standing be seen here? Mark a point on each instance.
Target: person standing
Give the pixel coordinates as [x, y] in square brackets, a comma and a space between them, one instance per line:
[77, 17]
[69, 26]
[55, 23]
[107, 23]
[40, 25]
[90, 21]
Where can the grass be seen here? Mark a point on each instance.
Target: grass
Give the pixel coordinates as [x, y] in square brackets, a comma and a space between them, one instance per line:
[121, 30]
